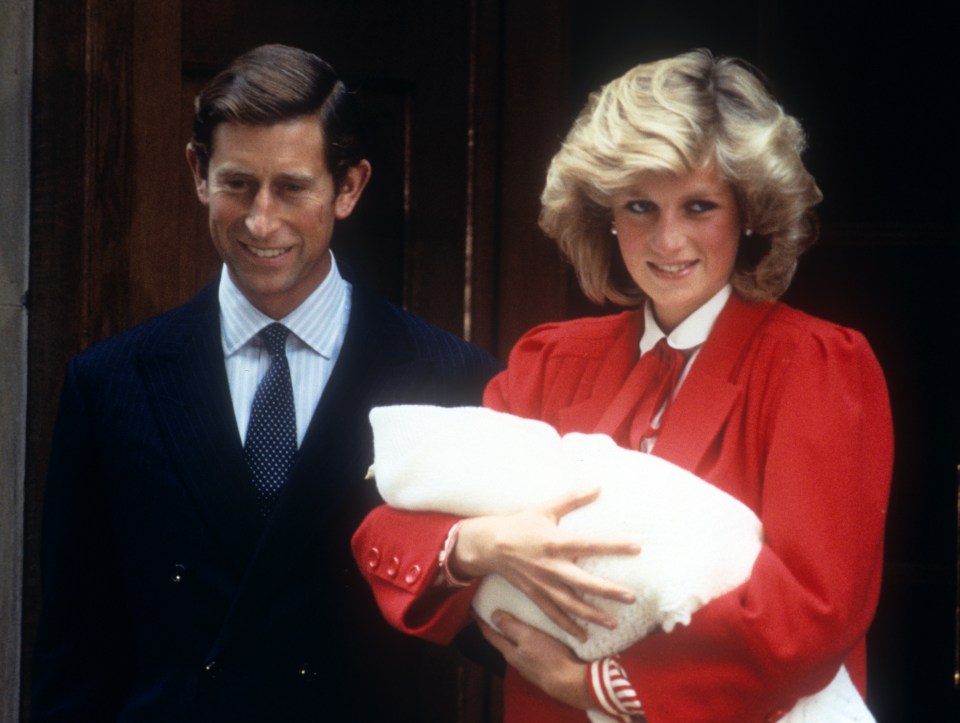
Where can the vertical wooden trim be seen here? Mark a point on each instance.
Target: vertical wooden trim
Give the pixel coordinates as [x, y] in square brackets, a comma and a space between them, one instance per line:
[485, 91]
[57, 217]
[107, 161]
[16, 48]
[158, 156]
[518, 84]
[438, 124]
[532, 276]
[470, 190]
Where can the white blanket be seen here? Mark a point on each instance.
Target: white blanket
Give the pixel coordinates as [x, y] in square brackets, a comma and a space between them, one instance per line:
[697, 541]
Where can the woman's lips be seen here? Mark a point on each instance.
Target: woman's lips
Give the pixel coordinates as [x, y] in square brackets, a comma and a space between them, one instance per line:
[672, 269]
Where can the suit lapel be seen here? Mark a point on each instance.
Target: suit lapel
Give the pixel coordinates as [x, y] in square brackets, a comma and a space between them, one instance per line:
[331, 461]
[611, 398]
[186, 382]
[699, 412]
[702, 406]
[372, 352]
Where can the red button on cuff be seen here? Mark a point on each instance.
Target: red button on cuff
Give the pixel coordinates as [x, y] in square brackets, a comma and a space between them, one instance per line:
[393, 566]
[412, 574]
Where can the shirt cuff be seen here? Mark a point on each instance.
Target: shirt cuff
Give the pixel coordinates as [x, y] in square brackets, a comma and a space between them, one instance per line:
[612, 691]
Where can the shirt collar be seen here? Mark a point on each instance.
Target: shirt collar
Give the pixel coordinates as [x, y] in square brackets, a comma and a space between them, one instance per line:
[314, 322]
[691, 332]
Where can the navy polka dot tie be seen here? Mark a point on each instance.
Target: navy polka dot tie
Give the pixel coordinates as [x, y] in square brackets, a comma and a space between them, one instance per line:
[272, 432]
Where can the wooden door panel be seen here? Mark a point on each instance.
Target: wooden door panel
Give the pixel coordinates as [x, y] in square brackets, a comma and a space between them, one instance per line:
[469, 100]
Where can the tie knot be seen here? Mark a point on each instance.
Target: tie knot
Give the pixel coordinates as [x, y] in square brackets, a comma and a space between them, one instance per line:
[667, 353]
[670, 363]
[276, 337]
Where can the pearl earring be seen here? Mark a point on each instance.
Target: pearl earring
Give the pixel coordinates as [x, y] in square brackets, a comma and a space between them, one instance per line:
[748, 232]
[613, 229]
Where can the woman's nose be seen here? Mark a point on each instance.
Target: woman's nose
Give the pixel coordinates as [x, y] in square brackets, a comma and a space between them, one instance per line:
[669, 236]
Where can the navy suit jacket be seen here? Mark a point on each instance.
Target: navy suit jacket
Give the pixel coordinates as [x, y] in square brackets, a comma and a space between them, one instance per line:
[166, 595]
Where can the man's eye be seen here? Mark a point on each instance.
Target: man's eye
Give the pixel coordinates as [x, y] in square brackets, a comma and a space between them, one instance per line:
[236, 184]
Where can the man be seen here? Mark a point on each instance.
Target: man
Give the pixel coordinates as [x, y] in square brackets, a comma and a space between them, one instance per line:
[207, 467]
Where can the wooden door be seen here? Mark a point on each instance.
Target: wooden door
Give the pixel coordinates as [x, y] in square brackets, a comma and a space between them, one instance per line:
[471, 99]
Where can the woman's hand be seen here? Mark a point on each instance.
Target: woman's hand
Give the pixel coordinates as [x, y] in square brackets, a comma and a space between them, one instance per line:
[543, 660]
[537, 558]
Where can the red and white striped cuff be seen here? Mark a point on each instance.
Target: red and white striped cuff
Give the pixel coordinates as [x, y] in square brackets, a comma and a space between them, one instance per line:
[612, 691]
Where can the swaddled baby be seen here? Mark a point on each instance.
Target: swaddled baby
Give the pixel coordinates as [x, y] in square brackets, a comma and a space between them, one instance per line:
[697, 541]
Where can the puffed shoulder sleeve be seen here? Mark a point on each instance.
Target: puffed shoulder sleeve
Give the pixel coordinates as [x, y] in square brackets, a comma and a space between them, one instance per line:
[817, 426]
[554, 366]
[518, 389]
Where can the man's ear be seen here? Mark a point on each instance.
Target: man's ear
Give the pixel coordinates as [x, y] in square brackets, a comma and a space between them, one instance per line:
[352, 185]
[199, 175]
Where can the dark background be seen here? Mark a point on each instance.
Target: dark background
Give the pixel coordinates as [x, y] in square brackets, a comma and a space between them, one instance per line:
[470, 100]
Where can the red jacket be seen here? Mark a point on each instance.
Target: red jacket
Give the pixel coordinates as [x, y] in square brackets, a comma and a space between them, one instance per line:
[787, 413]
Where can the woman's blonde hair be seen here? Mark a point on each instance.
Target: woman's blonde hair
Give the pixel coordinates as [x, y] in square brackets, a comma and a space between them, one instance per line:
[680, 115]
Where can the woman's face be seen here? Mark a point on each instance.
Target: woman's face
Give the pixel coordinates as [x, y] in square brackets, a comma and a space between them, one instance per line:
[678, 236]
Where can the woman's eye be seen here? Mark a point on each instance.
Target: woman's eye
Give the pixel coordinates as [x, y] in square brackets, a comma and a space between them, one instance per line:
[639, 206]
[702, 206]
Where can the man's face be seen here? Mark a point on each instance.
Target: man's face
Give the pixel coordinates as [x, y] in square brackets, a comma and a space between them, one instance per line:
[272, 205]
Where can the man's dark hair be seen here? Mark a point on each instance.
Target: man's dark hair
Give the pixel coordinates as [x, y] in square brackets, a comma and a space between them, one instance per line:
[275, 83]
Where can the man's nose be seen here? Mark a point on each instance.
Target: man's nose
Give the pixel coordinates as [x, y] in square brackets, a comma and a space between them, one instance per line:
[262, 218]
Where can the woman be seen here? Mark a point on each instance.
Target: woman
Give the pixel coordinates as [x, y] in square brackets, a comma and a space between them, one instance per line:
[680, 193]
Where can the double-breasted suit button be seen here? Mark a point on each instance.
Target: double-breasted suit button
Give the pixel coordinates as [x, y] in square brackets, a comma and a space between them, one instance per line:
[212, 669]
[393, 567]
[412, 574]
[177, 573]
[306, 671]
[373, 558]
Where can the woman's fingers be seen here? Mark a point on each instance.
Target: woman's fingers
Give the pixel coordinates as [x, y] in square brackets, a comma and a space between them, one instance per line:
[509, 632]
[571, 576]
[560, 614]
[560, 599]
[497, 639]
[573, 547]
[541, 560]
[567, 503]
[576, 547]
[540, 658]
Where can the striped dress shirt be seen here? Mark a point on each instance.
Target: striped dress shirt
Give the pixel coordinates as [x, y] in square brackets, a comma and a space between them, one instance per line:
[317, 328]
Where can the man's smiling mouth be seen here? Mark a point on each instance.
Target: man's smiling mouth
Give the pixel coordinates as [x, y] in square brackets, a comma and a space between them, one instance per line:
[265, 253]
